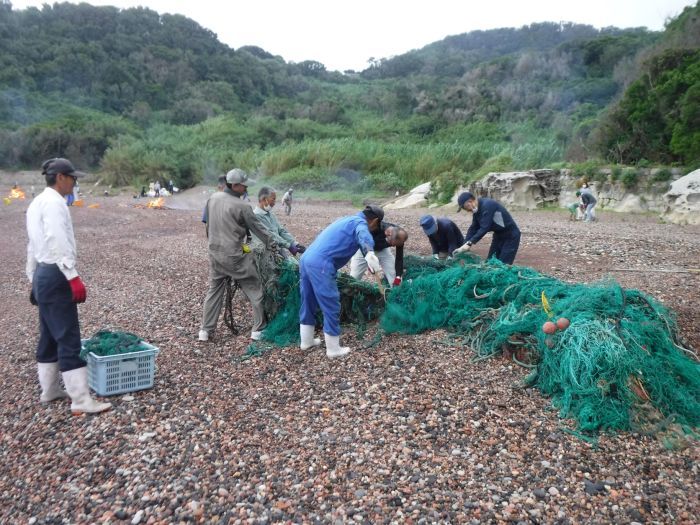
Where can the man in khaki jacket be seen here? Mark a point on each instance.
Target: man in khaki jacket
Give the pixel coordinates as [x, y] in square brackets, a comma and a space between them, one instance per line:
[229, 219]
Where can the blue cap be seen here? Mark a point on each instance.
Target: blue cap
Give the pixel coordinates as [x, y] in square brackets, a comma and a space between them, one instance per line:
[428, 224]
[464, 197]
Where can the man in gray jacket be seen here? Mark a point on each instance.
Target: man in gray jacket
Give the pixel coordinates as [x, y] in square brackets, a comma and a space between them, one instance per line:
[229, 219]
[267, 197]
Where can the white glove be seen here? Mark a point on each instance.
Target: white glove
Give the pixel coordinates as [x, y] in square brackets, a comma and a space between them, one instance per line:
[462, 249]
[372, 262]
[436, 256]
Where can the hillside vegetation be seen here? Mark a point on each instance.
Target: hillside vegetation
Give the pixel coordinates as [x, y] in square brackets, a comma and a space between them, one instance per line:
[139, 96]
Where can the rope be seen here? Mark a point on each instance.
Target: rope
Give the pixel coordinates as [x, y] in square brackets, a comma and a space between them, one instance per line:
[231, 287]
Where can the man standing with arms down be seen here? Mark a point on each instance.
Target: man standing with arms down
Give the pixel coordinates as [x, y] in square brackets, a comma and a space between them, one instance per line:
[287, 201]
[490, 216]
[229, 219]
[56, 290]
[318, 267]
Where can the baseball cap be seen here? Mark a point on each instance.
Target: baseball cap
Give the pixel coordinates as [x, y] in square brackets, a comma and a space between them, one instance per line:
[464, 197]
[60, 165]
[238, 176]
[428, 224]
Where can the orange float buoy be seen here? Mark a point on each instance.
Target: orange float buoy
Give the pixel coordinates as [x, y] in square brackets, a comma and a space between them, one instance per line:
[563, 323]
[549, 328]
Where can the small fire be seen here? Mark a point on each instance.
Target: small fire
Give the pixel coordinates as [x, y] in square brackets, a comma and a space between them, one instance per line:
[16, 193]
[156, 203]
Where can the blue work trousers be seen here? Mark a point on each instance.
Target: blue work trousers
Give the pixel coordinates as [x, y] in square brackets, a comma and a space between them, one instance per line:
[504, 248]
[319, 289]
[59, 336]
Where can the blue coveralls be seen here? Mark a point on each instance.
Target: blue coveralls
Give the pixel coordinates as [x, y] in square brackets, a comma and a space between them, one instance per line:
[319, 265]
[491, 216]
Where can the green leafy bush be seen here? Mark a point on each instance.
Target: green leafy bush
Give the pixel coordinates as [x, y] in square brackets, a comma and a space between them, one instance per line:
[615, 173]
[630, 178]
[662, 175]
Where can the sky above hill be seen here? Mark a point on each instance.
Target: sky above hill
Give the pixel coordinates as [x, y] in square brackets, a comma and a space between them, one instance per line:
[345, 35]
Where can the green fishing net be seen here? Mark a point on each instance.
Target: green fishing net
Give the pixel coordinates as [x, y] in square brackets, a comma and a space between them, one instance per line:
[105, 342]
[619, 365]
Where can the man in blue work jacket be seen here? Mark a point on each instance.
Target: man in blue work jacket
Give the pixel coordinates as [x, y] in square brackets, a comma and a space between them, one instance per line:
[318, 267]
[490, 216]
[443, 234]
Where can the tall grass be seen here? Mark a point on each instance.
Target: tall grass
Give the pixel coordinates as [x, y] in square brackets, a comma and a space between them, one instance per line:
[388, 161]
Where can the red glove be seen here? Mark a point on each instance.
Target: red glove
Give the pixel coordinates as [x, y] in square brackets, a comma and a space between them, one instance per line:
[78, 288]
[397, 281]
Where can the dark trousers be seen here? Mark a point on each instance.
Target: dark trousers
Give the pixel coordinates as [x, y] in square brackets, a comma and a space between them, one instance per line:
[59, 336]
[505, 247]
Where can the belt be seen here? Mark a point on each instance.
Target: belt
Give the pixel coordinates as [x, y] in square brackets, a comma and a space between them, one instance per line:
[47, 265]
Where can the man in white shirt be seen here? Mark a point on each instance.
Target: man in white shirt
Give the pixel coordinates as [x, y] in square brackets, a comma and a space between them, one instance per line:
[56, 290]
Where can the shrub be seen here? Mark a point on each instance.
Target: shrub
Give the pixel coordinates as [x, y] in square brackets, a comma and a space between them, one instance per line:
[662, 175]
[630, 178]
[445, 185]
[615, 173]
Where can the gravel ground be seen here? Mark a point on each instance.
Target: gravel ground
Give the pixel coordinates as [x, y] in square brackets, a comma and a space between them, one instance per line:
[407, 431]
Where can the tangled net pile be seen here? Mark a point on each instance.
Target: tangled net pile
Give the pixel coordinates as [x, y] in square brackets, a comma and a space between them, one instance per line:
[105, 342]
[619, 365]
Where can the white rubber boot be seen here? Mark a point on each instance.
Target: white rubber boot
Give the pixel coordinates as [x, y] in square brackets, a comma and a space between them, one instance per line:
[307, 336]
[333, 348]
[48, 379]
[79, 392]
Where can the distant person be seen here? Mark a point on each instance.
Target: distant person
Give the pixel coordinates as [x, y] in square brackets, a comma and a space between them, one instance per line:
[156, 188]
[589, 201]
[143, 191]
[490, 216]
[386, 236]
[573, 211]
[443, 234]
[229, 220]
[220, 186]
[287, 201]
[263, 211]
[56, 290]
[318, 269]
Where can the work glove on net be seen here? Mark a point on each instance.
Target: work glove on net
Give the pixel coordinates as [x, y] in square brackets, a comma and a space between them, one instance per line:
[77, 287]
[297, 248]
[372, 262]
[397, 281]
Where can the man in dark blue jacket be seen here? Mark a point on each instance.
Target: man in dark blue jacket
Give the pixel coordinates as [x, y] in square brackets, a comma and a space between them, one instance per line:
[443, 234]
[490, 216]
